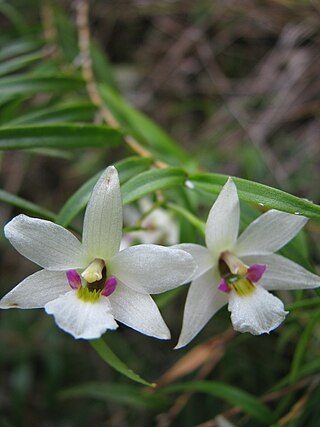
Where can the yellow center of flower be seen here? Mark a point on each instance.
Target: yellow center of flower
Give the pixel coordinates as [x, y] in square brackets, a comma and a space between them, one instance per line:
[93, 273]
[87, 295]
[243, 287]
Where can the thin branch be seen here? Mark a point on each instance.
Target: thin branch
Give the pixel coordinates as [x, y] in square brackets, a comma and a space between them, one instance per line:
[82, 20]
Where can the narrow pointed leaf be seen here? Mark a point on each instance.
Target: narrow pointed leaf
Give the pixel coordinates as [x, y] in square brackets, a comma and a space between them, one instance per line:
[148, 133]
[150, 181]
[18, 63]
[58, 136]
[120, 393]
[62, 113]
[29, 85]
[200, 225]
[25, 205]
[18, 47]
[235, 396]
[261, 194]
[109, 357]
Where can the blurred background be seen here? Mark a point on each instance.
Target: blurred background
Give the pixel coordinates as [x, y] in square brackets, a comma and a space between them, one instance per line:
[236, 84]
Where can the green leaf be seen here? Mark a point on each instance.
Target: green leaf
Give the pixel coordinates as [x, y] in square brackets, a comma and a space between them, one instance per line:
[305, 303]
[150, 181]
[109, 357]
[58, 136]
[101, 66]
[25, 205]
[248, 403]
[23, 85]
[143, 129]
[16, 64]
[120, 393]
[301, 349]
[18, 47]
[127, 168]
[200, 225]
[261, 194]
[67, 112]
[16, 18]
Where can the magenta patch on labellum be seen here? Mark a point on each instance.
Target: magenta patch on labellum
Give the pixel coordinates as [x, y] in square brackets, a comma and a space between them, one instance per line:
[74, 279]
[255, 272]
[223, 286]
[110, 286]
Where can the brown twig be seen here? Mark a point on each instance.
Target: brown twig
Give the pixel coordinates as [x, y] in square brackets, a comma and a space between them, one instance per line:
[82, 20]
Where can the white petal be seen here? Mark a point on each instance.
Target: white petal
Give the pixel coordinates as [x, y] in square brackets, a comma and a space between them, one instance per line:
[281, 273]
[138, 311]
[268, 233]
[223, 221]
[102, 226]
[152, 269]
[257, 313]
[82, 319]
[201, 255]
[203, 301]
[36, 290]
[45, 243]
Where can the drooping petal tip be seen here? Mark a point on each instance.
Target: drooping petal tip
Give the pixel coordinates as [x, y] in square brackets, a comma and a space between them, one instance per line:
[258, 313]
[81, 319]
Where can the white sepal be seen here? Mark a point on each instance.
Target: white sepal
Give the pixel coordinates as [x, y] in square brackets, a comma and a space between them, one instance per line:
[152, 269]
[257, 313]
[102, 227]
[201, 255]
[223, 221]
[45, 243]
[36, 290]
[138, 311]
[269, 233]
[282, 273]
[203, 301]
[79, 318]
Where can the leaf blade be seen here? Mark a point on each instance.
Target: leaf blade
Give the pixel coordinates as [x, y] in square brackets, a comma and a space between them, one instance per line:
[109, 357]
[261, 194]
[235, 396]
[150, 181]
[58, 136]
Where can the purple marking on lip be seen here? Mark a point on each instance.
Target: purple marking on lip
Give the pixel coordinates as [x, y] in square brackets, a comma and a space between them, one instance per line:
[223, 286]
[255, 272]
[74, 279]
[110, 286]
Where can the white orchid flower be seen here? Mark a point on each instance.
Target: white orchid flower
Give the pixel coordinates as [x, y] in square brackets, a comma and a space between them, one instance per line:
[158, 225]
[240, 271]
[86, 287]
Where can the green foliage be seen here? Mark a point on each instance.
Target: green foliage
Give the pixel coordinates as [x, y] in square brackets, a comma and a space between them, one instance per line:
[109, 357]
[54, 143]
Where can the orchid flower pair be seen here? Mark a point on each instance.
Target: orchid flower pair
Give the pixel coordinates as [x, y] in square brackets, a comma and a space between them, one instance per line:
[88, 286]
